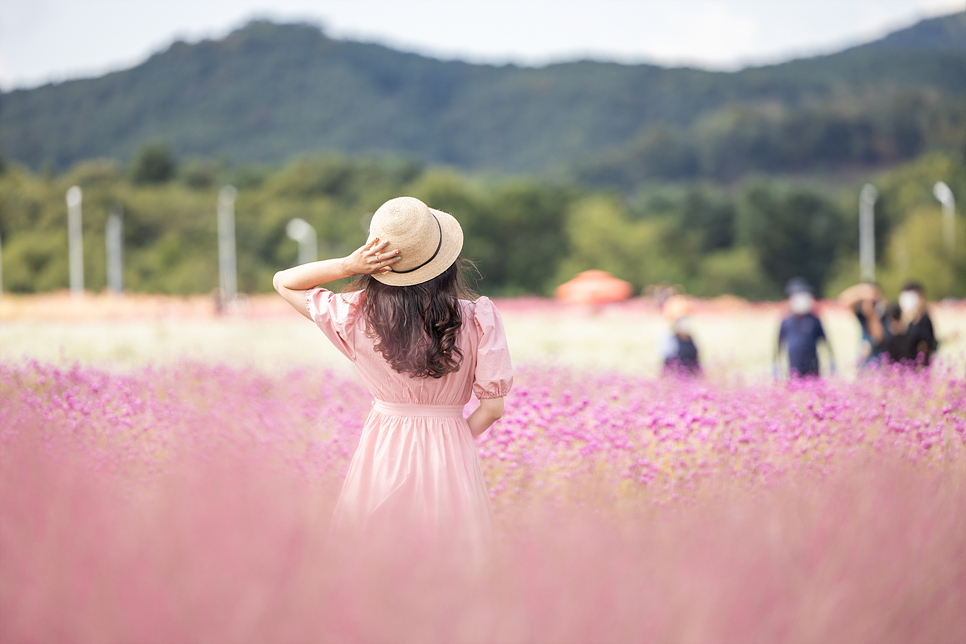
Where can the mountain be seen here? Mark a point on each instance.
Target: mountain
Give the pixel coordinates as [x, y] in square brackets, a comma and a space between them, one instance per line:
[947, 33]
[268, 91]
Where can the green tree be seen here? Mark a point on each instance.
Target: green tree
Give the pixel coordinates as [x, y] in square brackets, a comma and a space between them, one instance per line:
[795, 233]
[918, 251]
[526, 230]
[736, 271]
[903, 250]
[154, 164]
[602, 236]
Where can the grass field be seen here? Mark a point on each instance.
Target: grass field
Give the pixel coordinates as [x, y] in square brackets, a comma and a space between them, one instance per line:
[119, 332]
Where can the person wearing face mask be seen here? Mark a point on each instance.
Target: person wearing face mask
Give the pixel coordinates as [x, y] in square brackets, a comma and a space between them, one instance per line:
[678, 350]
[801, 332]
[918, 342]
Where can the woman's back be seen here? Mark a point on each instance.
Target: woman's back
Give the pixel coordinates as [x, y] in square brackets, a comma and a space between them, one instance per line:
[422, 351]
[485, 369]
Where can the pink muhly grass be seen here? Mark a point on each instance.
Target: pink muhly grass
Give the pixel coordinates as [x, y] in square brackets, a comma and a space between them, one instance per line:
[191, 503]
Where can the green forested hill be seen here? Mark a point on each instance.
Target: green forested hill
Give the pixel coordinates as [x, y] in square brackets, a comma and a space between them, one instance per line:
[947, 34]
[268, 92]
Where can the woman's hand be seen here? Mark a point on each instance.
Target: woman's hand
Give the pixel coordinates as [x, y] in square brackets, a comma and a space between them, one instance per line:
[371, 258]
[292, 283]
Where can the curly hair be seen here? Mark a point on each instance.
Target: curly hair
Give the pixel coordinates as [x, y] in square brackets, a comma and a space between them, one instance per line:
[416, 327]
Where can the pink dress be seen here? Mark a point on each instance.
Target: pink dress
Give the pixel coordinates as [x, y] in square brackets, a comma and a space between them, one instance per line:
[416, 464]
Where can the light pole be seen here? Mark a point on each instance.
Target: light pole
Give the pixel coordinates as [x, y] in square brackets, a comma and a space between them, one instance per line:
[227, 268]
[944, 194]
[115, 248]
[867, 197]
[303, 232]
[75, 241]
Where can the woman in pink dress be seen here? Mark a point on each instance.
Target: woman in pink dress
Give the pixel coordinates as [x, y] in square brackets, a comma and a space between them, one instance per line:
[422, 347]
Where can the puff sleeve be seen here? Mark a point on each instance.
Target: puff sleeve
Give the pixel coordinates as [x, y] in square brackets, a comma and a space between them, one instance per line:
[335, 314]
[494, 373]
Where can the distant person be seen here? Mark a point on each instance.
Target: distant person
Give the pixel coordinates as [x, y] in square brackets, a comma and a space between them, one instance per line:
[917, 343]
[801, 332]
[871, 309]
[892, 342]
[679, 352]
[892, 320]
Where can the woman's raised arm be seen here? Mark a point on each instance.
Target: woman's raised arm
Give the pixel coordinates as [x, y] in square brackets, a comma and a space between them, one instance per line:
[292, 283]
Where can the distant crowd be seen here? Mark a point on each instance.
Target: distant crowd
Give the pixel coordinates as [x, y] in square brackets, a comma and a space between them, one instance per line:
[891, 333]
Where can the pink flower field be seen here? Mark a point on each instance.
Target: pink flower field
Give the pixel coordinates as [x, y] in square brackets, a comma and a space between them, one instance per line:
[190, 503]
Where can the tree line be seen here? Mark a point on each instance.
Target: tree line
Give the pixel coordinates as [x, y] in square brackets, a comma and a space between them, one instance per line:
[527, 235]
[737, 140]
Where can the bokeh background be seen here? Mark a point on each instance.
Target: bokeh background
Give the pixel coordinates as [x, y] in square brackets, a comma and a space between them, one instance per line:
[719, 181]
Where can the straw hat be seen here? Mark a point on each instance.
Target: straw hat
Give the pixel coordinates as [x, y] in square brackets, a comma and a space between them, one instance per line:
[428, 240]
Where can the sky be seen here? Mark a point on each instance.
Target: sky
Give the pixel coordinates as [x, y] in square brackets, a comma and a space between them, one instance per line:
[53, 40]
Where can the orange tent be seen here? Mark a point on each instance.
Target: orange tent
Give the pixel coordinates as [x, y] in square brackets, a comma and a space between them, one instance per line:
[593, 287]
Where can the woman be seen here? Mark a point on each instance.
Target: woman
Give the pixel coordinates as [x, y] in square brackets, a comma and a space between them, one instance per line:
[421, 351]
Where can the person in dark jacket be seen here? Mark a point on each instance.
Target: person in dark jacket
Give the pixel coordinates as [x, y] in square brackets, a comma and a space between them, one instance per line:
[801, 332]
[917, 342]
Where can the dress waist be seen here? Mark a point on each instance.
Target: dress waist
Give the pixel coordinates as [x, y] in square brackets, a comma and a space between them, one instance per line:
[415, 409]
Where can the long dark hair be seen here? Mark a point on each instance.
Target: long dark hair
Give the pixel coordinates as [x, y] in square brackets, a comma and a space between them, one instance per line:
[416, 327]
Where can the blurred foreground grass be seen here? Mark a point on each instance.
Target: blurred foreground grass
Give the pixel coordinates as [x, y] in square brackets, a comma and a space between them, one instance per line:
[134, 330]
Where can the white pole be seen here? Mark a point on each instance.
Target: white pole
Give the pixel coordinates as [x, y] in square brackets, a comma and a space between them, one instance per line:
[867, 198]
[944, 194]
[303, 232]
[115, 248]
[227, 267]
[76, 241]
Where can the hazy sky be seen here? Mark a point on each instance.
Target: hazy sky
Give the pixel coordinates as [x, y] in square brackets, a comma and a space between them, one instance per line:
[45, 40]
